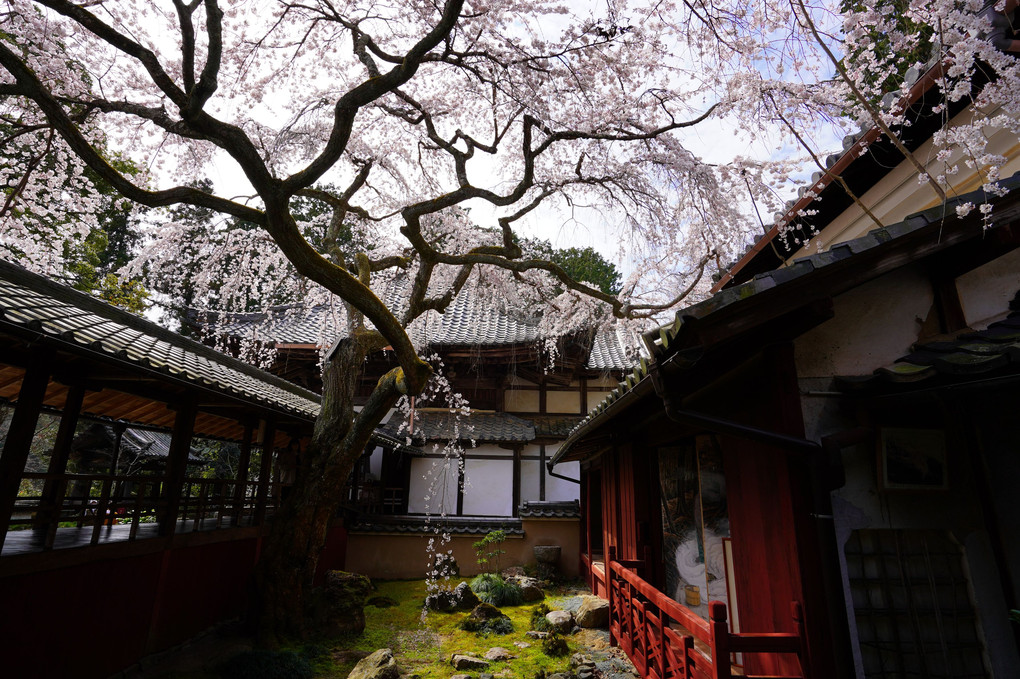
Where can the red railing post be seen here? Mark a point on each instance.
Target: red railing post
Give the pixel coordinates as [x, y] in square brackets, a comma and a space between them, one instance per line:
[687, 650]
[803, 655]
[610, 558]
[720, 640]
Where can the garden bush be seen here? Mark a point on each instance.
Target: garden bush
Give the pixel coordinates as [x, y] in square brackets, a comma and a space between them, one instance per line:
[538, 621]
[493, 589]
[555, 646]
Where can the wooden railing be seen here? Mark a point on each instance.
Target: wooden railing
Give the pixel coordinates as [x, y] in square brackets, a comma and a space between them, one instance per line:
[101, 500]
[665, 640]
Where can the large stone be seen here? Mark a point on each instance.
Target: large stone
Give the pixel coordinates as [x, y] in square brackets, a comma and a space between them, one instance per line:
[499, 654]
[465, 599]
[531, 590]
[593, 613]
[379, 665]
[338, 606]
[467, 662]
[561, 621]
[442, 601]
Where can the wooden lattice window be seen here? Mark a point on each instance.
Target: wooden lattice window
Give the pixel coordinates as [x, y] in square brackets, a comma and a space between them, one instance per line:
[912, 603]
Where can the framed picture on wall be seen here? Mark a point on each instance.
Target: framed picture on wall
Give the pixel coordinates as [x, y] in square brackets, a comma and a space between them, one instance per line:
[912, 459]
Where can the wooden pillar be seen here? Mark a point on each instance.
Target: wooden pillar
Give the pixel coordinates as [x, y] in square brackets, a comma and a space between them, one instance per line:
[268, 441]
[461, 464]
[54, 489]
[517, 483]
[541, 472]
[20, 434]
[176, 466]
[720, 640]
[241, 487]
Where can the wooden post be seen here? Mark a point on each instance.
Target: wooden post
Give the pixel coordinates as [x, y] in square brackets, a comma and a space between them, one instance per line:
[268, 441]
[241, 487]
[720, 640]
[20, 434]
[176, 466]
[687, 650]
[53, 490]
[610, 553]
[804, 653]
[516, 502]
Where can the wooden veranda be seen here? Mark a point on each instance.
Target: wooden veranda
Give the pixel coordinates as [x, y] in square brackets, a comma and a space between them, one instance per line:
[146, 558]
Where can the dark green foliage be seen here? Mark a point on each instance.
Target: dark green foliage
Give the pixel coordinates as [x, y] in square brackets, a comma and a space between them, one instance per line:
[264, 664]
[495, 627]
[488, 550]
[493, 589]
[919, 53]
[586, 264]
[486, 619]
[538, 621]
[555, 646]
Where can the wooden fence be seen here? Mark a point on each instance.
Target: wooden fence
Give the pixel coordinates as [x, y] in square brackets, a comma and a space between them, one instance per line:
[665, 640]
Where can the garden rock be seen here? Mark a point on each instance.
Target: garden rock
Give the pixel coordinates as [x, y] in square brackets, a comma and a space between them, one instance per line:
[466, 662]
[338, 607]
[561, 621]
[593, 613]
[464, 598]
[379, 665]
[579, 659]
[522, 644]
[536, 635]
[461, 676]
[499, 654]
[442, 601]
[531, 589]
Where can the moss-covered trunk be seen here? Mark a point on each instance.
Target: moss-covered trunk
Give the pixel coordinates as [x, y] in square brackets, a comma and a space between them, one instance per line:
[299, 527]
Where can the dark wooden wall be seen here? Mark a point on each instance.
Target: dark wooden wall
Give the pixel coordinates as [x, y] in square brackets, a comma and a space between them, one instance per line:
[96, 618]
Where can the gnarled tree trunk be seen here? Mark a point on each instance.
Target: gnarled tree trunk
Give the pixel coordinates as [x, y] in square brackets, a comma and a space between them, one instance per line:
[298, 532]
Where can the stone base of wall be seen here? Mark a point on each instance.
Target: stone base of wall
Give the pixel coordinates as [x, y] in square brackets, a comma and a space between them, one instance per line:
[395, 557]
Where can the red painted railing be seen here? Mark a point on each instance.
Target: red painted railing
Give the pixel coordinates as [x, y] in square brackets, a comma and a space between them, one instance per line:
[665, 640]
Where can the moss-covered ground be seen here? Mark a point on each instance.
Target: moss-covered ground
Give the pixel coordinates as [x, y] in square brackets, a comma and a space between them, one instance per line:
[424, 646]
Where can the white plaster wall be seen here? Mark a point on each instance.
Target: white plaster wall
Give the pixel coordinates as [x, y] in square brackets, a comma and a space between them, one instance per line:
[899, 194]
[375, 463]
[530, 475]
[875, 324]
[558, 490]
[488, 487]
[986, 291]
[433, 486]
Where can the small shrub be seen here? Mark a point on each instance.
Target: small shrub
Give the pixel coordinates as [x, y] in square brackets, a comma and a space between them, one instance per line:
[263, 664]
[492, 589]
[488, 550]
[484, 628]
[555, 646]
[538, 621]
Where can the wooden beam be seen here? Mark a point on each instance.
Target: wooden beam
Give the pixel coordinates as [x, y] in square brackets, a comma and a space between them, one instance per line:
[20, 434]
[267, 440]
[176, 465]
[241, 488]
[53, 492]
[516, 483]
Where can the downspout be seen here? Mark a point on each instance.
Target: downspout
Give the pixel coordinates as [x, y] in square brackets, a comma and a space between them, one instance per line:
[553, 474]
[825, 471]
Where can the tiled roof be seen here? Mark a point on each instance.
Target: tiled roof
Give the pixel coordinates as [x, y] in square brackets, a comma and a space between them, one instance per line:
[32, 302]
[478, 426]
[554, 425]
[661, 339]
[470, 320]
[137, 443]
[993, 351]
[550, 510]
[420, 525]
